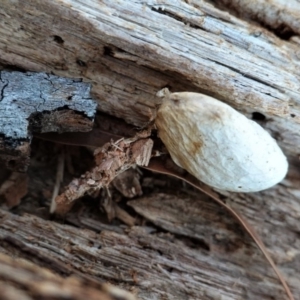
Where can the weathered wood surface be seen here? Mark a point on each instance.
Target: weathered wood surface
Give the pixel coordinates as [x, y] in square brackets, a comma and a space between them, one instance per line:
[39, 102]
[131, 49]
[279, 15]
[41, 283]
[122, 48]
[153, 264]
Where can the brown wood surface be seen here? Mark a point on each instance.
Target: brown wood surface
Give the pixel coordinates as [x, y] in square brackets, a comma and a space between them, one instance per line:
[129, 50]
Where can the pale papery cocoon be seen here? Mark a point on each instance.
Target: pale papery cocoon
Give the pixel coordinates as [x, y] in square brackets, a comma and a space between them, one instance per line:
[219, 145]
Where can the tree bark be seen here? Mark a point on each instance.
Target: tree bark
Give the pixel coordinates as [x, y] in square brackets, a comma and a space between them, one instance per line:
[129, 50]
[36, 103]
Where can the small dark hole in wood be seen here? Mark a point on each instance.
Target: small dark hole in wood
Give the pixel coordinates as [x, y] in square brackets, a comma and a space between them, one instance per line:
[293, 115]
[69, 97]
[258, 116]
[13, 68]
[159, 252]
[58, 39]
[284, 32]
[167, 13]
[107, 51]
[168, 269]
[196, 243]
[80, 63]
[12, 163]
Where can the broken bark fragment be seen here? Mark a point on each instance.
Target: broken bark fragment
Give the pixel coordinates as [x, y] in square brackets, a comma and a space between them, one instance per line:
[39, 102]
[111, 159]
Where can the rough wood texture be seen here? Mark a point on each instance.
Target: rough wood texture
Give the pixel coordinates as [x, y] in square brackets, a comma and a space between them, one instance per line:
[38, 102]
[131, 49]
[279, 15]
[154, 265]
[123, 50]
[33, 283]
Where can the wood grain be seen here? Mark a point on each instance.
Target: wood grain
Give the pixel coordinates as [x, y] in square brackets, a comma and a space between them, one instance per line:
[129, 50]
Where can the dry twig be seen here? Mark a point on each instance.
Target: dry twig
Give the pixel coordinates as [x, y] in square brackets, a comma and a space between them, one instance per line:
[111, 160]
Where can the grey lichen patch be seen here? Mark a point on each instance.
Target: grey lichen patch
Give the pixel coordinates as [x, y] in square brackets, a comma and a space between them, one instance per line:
[25, 94]
[40, 102]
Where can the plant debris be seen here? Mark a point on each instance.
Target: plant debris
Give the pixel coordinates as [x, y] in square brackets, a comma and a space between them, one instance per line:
[111, 160]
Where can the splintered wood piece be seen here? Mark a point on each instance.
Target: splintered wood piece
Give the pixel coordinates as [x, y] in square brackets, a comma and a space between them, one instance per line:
[111, 160]
[39, 102]
[113, 210]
